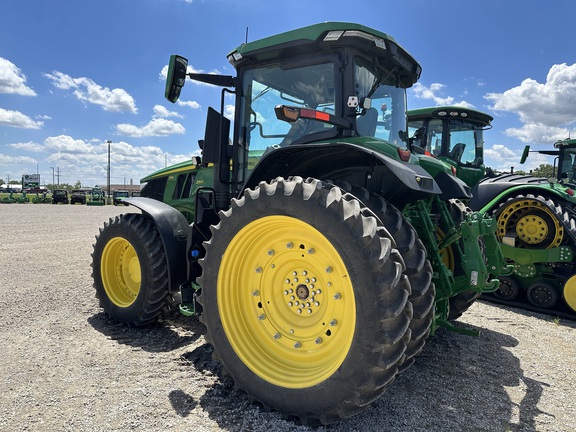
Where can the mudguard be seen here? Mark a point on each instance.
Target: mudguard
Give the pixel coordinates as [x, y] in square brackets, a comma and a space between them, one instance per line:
[173, 229]
[336, 160]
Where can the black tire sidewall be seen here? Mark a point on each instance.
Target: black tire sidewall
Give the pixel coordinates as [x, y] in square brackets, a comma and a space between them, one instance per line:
[356, 367]
[126, 227]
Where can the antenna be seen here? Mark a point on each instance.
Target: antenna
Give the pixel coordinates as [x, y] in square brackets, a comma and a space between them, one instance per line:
[246, 34]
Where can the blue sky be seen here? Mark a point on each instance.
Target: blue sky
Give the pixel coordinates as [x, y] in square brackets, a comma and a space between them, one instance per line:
[75, 73]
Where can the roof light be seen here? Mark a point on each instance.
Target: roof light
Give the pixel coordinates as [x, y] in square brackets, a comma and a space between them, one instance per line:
[337, 34]
[442, 113]
[464, 114]
[235, 56]
[333, 35]
[454, 113]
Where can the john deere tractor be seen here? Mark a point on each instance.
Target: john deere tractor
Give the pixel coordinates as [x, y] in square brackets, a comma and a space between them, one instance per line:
[535, 216]
[536, 220]
[309, 238]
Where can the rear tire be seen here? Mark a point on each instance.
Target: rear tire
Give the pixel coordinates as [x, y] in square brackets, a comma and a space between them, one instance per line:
[130, 271]
[304, 300]
[418, 268]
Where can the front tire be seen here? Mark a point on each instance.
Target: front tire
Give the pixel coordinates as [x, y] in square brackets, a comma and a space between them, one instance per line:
[130, 271]
[304, 300]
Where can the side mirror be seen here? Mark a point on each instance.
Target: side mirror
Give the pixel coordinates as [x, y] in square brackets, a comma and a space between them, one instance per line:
[176, 77]
[525, 154]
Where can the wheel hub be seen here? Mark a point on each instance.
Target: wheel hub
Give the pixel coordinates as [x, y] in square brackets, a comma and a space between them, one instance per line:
[292, 313]
[532, 229]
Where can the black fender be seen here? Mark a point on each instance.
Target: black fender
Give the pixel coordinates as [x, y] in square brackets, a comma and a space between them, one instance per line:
[452, 187]
[491, 187]
[346, 161]
[173, 229]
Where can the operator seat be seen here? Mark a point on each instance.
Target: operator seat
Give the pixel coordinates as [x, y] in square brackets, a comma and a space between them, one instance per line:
[366, 124]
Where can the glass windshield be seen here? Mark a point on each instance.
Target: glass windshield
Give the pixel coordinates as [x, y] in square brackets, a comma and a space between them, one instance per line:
[466, 141]
[386, 119]
[567, 169]
[267, 86]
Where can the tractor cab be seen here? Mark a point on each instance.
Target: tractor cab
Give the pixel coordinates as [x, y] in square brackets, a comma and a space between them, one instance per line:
[453, 134]
[564, 160]
[322, 85]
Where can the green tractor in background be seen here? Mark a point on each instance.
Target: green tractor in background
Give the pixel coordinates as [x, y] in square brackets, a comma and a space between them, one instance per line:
[97, 197]
[535, 216]
[313, 244]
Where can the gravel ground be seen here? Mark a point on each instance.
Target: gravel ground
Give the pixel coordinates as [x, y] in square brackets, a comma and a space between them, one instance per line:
[65, 367]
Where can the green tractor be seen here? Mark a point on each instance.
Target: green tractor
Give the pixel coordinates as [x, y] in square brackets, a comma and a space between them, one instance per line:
[97, 197]
[536, 220]
[536, 217]
[314, 245]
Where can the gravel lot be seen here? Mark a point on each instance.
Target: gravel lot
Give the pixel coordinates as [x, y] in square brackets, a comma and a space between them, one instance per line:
[65, 367]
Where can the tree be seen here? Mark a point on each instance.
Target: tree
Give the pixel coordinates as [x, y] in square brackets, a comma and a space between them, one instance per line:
[544, 170]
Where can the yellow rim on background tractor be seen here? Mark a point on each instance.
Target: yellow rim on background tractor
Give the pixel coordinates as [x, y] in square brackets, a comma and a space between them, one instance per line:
[527, 218]
[120, 271]
[570, 292]
[286, 302]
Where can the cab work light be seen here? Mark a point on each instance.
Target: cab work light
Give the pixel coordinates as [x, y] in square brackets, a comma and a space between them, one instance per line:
[291, 114]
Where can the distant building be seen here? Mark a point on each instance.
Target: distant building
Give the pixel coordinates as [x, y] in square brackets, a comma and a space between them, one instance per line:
[14, 187]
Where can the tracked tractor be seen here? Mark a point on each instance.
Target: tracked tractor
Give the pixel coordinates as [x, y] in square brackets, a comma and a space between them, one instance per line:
[306, 237]
[535, 216]
[536, 220]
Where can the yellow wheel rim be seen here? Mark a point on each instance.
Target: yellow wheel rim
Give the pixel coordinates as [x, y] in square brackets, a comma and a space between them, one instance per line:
[528, 218]
[286, 302]
[120, 271]
[532, 229]
[570, 292]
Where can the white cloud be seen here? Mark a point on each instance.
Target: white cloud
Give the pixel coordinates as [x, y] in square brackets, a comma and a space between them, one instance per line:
[434, 93]
[156, 127]
[66, 144]
[87, 161]
[86, 90]
[12, 80]
[538, 133]
[29, 146]
[6, 160]
[546, 109]
[190, 104]
[502, 158]
[229, 111]
[161, 111]
[18, 120]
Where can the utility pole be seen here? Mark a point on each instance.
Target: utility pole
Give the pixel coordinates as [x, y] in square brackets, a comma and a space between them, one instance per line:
[109, 142]
[52, 177]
